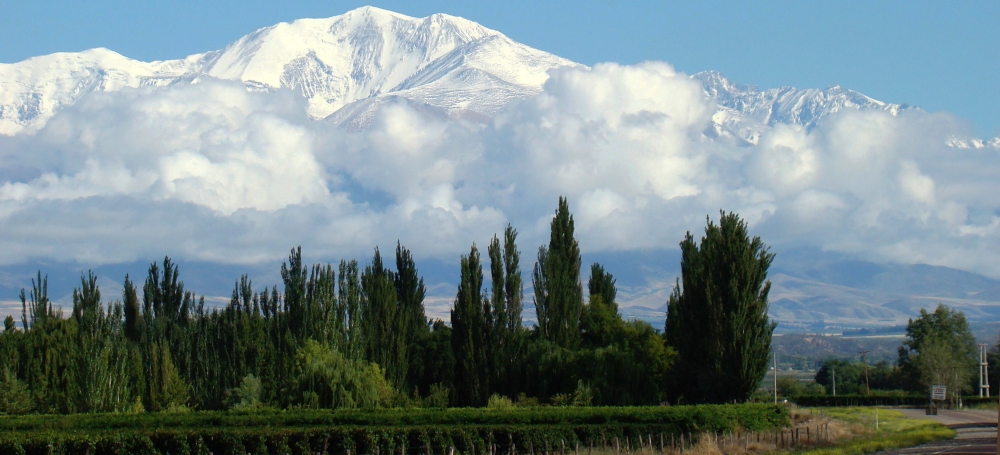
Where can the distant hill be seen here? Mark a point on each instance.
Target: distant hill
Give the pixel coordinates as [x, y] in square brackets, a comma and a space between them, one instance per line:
[812, 291]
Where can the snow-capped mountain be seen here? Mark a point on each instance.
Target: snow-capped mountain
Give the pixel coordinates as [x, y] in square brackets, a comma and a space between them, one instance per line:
[347, 66]
[356, 60]
[746, 111]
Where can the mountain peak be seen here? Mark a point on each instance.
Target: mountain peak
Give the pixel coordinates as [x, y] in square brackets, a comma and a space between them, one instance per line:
[333, 62]
[347, 66]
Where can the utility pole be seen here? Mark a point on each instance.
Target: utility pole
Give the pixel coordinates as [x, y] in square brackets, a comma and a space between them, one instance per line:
[984, 372]
[868, 389]
[776, 380]
[834, 370]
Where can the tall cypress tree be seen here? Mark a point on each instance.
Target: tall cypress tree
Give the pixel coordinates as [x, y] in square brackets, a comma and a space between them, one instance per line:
[503, 313]
[717, 315]
[468, 334]
[133, 314]
[410, 291]
[556, 278]
[349, 303]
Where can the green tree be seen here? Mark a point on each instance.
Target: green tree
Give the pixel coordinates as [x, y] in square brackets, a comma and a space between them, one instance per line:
[600, 323]
[717, 314]
[435, 361]
[556, 279]
[602, 283]
[505, 335]
[939, 349]
[246, 397]
[468, 323]
[103, 360]
[410, 291]
[15, 398]
[323, 378]
[384, 321]
[349, 300]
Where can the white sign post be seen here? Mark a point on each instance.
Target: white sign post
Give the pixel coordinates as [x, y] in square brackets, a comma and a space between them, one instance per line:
[938, 392]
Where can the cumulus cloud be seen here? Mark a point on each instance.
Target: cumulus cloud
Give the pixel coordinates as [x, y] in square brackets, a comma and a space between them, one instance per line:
[211, 171]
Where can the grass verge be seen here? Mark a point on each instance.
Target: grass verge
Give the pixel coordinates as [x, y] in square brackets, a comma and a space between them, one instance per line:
[895, 431]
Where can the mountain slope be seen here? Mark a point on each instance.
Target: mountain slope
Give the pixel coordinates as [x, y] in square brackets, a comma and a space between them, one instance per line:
[366, 54]
[746, 111]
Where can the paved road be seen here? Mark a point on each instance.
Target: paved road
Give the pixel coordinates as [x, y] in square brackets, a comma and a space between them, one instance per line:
[977, 433]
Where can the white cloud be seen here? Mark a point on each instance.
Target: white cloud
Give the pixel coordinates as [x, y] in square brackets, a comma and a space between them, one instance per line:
[213, 172]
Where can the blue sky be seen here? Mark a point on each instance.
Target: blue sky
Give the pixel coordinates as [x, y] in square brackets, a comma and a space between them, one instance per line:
[942, 56]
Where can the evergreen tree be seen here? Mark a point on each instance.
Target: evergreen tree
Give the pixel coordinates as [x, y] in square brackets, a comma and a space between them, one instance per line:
[717, 315]
[468, 324]
[556, 278]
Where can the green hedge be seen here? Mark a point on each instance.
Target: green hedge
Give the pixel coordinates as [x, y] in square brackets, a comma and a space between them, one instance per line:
[895, 399]
[860, 400]
[384, 432]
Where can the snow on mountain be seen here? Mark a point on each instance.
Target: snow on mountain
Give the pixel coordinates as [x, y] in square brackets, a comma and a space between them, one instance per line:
[746, 111]
[347, 66]
[33, 90]
[974, 143]
[442, 61]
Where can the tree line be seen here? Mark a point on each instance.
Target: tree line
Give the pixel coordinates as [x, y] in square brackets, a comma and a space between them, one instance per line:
[343, 336]
[938, 349]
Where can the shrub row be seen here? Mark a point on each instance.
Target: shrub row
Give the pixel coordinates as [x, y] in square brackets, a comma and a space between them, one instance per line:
[278, 437]
[687, 418]
[914, 400]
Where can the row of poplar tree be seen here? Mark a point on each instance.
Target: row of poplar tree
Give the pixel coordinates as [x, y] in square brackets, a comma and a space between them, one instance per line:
[346, 337]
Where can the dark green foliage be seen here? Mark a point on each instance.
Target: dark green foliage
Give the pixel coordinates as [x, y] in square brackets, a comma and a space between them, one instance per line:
[468, 323]
[556, 278]
[602, 284]
[851, 377]
[384, 321]
[502, 314]
[717, 315]
[876, 398]
[362, 432]
[433, 360]
[410, 292]
[315, 339]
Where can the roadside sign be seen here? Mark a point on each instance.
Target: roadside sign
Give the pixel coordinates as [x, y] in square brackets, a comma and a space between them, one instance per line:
[938, 392]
